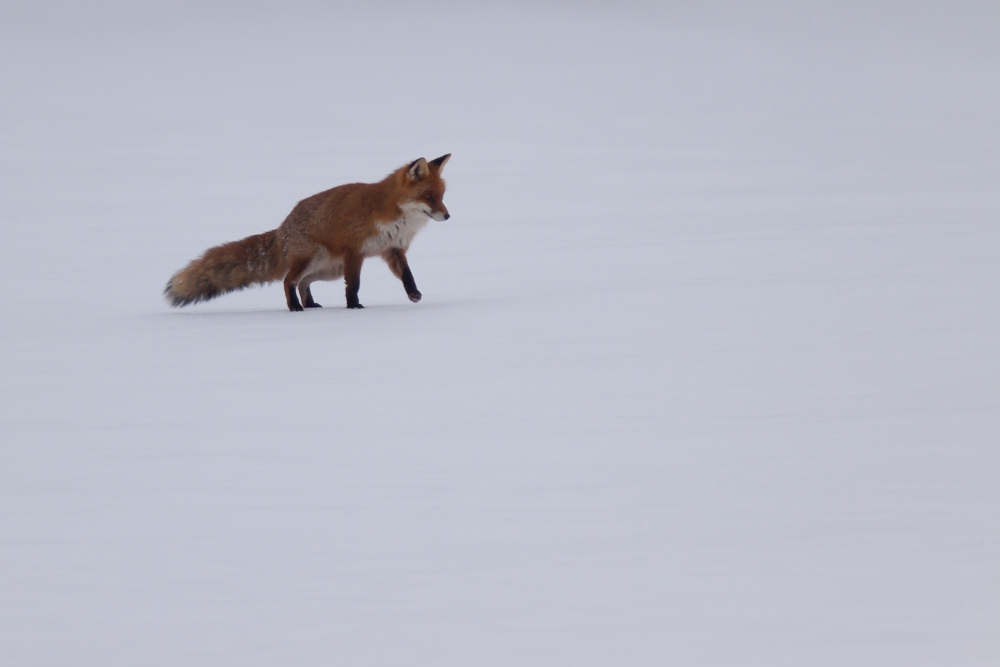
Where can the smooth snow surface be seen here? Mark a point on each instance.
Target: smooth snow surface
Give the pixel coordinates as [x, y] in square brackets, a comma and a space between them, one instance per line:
[706, 371]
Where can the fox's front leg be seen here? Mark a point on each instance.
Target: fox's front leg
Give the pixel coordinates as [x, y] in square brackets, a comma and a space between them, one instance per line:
[396, 259]
[352, 276]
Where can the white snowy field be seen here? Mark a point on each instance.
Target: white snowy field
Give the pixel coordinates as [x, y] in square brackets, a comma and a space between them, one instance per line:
[706, 370]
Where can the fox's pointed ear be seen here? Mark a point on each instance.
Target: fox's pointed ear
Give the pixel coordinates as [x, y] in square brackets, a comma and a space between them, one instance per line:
[439, 163]
[417, 170]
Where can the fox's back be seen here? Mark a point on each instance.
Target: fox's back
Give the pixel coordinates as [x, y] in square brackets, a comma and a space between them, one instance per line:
[341, 217]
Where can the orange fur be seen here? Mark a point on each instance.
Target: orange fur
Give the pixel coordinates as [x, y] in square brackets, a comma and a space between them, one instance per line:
[326, 236]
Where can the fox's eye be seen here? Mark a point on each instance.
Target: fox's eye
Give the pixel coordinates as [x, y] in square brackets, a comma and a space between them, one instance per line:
[430, 198]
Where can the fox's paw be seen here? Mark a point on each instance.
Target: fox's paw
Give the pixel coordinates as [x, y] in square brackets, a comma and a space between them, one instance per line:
[295, 308]
[312, 304]
[356, 305]
[414, 296]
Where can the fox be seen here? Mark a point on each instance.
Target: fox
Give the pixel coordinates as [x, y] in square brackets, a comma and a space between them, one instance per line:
[326, 236]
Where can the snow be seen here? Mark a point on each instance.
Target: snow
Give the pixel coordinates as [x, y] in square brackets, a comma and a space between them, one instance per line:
[705, 370]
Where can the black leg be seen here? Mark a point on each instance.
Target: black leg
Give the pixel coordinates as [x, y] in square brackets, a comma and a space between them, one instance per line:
[292, 298]
[292, 281]
[352, 275]
[307, 297]
[410, 285]
[396, 259]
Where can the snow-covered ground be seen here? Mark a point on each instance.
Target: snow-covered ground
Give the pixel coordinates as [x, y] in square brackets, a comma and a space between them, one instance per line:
[706, 371]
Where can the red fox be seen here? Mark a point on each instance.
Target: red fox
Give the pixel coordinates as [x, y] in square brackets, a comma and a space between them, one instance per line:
[325, 237]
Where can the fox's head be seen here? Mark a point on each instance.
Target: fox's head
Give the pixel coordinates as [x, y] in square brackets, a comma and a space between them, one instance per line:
[424, 187]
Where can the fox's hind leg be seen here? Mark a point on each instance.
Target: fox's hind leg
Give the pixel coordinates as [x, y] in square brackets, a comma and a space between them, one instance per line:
[295, 271]
[322, 267]
[306, 293]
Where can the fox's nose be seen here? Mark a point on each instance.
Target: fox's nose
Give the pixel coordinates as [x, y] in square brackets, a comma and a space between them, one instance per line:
[447, 215]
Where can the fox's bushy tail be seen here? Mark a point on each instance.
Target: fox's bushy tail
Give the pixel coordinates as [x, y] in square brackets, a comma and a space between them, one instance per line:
[255, 260]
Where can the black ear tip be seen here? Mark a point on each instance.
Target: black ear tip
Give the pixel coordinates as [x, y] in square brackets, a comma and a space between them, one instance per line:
[440, 160]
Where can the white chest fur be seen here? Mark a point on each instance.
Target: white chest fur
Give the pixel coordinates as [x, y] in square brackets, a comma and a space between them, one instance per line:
[398, 233]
